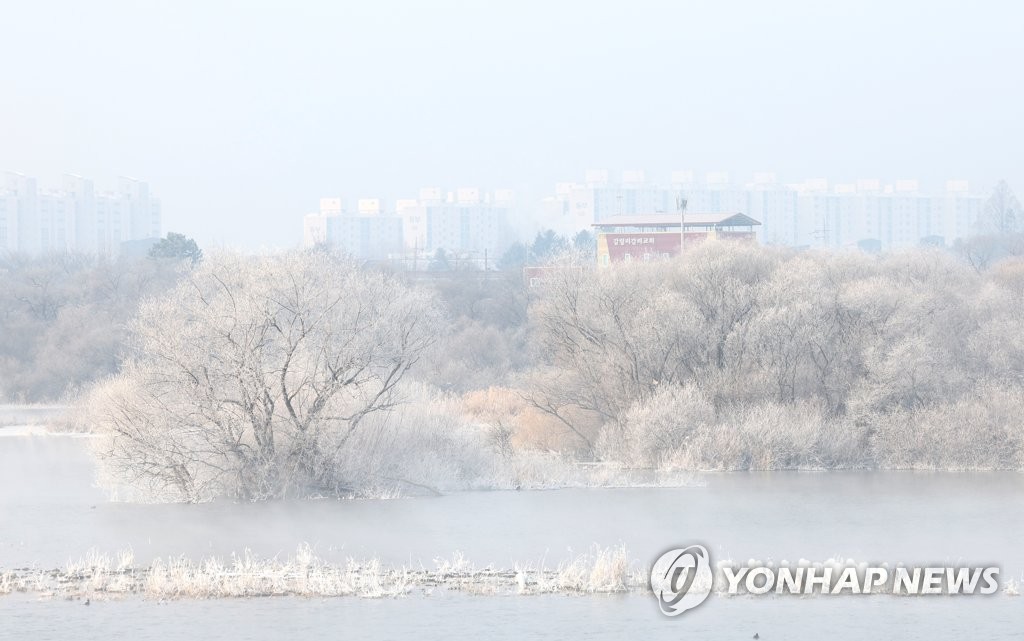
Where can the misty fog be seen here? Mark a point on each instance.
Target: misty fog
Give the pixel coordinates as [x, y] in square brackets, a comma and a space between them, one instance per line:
[241, 114]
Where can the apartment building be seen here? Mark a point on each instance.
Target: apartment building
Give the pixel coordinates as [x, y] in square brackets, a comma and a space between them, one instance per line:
[811, 213]
[467, 223]
[75, 217]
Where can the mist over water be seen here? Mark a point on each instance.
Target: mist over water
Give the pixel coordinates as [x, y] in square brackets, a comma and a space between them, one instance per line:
[972, 518]
[459, 617]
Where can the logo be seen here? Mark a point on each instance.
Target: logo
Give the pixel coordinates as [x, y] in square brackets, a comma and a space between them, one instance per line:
[682, 579]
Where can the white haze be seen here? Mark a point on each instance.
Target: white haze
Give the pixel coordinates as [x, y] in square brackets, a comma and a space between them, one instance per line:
[242, 114]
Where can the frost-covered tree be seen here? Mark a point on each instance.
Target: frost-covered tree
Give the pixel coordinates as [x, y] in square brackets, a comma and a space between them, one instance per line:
[794, 359]
[63, 316]
[605, 339]
[249, 378]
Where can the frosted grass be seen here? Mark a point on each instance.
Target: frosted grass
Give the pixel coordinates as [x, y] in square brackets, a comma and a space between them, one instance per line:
[304, 574]
[599, 570]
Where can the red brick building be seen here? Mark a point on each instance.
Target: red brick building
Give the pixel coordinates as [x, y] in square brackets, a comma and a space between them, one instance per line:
[656, 236]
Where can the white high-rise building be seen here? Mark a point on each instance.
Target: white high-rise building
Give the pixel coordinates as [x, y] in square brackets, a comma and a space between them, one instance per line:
[469, 224]
[813, 213]
[368, 233]
[9, 232]
[75, 217]
[576, 206]
[775, 205]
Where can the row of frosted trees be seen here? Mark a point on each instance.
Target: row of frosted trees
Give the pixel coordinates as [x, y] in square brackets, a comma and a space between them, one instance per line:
[301, 374]
[742, 357]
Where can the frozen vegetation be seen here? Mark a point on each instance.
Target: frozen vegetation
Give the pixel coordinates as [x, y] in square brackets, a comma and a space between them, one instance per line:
[304, 574]
[63, 319]
[600, 570]
[303, 374]
[749, 358]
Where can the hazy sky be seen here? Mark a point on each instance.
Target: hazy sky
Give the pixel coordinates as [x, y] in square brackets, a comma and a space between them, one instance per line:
[242, 114]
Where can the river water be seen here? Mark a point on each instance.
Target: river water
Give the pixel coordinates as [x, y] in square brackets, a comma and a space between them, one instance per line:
[51, 511]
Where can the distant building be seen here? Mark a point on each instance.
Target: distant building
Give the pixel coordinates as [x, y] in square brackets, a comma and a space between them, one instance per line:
[75, 218]
[807, 214]
[656, 236]
[466, 222]
[469, 225]
[576, 206]
[367, 234]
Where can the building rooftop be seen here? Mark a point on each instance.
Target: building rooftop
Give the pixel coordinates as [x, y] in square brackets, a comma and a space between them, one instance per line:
[724, 219]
